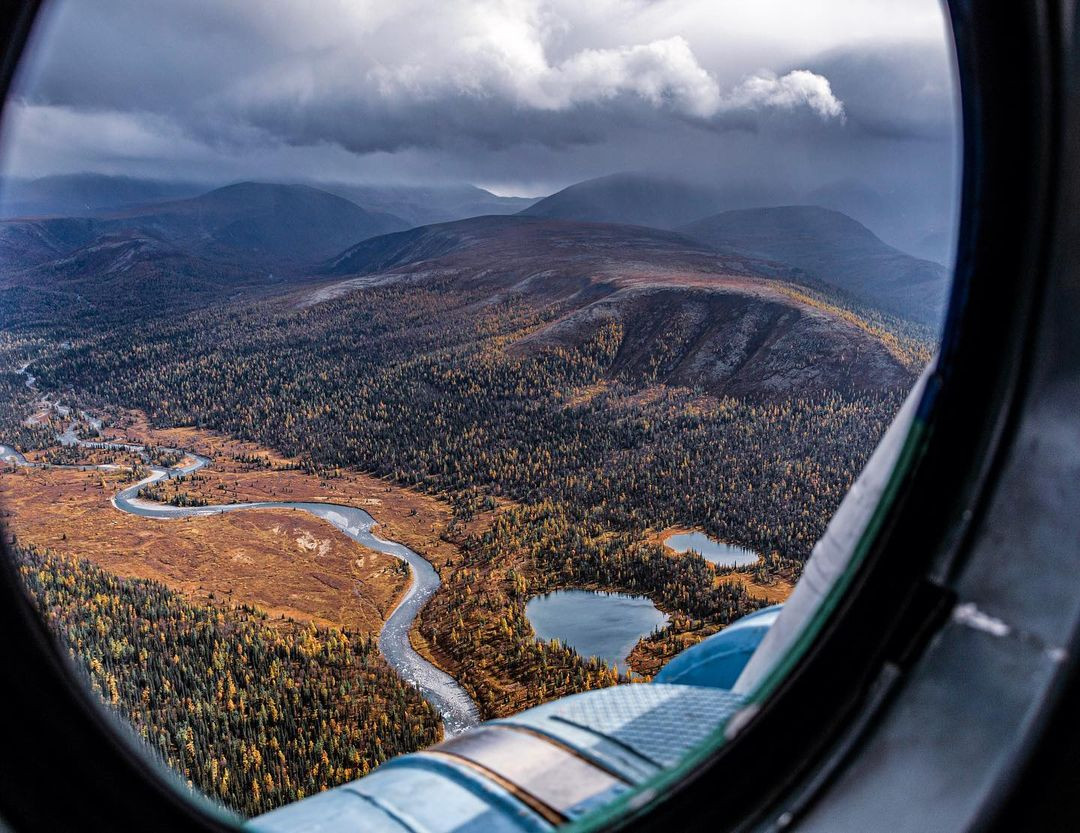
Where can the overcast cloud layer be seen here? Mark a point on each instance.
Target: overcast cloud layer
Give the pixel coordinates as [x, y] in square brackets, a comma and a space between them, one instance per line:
[850, 99]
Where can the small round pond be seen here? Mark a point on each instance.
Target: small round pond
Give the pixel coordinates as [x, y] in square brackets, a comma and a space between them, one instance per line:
[710, 549]
[595, 624]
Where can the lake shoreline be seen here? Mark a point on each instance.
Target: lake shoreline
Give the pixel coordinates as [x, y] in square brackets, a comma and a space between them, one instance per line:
[741, 556]
[603, 624]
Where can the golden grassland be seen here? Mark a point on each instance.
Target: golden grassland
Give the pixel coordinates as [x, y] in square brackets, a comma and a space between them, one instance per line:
[409, 517]
[284, 561]
[417, 520]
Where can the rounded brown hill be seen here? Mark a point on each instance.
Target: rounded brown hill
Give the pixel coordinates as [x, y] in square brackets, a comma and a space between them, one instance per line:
[685, 314]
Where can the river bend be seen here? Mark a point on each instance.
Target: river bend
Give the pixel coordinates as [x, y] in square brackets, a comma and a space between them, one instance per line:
[454, 705]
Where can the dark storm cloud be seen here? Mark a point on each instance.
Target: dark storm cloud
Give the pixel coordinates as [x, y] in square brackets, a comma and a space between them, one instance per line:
[463, 124]
[491, 85]
[131, 56]
[765, 97]
[894, 91]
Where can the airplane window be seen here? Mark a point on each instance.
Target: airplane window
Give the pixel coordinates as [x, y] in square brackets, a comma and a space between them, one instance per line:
[468, 377]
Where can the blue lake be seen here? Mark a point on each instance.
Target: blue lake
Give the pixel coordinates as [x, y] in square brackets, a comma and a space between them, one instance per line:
[604, 625]
[711, 550]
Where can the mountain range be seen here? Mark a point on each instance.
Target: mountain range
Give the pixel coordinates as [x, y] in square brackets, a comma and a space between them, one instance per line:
[69, 195]
[66, 195]
[421, 206]
[259, 225]
[260, 233]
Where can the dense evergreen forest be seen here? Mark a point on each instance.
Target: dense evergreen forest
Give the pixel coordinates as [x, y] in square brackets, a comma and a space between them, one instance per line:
[253, 712]
[435, 387]
[413, 384]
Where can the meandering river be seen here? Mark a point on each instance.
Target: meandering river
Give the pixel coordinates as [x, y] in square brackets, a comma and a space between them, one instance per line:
[455, 706]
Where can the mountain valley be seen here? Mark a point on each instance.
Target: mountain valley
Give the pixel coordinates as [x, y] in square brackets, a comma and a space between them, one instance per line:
[540, 397]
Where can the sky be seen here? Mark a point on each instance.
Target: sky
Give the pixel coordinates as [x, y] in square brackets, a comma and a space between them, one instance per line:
[848, 101]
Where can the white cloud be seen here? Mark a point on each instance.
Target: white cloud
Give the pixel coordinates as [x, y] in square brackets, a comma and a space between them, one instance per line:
[799, 88]
[666, 74]
[507, 59]
[662, 73]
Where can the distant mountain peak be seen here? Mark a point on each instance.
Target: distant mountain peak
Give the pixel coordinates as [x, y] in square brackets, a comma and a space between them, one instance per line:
[65, 195]
[253, 224]
[639, 199]
[422, 205]
[834, 249]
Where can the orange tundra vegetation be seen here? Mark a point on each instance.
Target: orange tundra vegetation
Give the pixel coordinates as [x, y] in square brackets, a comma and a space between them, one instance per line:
[285, 562]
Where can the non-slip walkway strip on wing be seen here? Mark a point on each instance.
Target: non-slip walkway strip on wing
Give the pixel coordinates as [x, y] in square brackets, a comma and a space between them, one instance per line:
[531, 772]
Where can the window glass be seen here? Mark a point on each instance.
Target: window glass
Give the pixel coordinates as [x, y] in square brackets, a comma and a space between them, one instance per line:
[375, 370]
